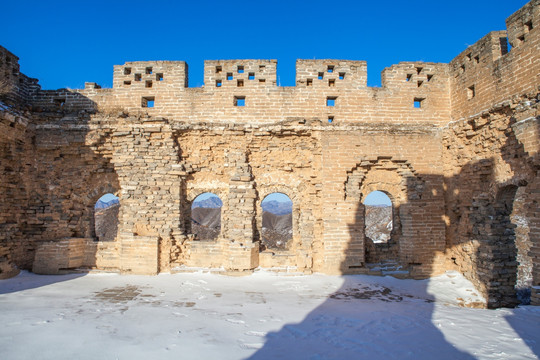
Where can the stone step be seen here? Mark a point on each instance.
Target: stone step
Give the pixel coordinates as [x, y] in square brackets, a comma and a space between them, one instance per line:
[388, 267]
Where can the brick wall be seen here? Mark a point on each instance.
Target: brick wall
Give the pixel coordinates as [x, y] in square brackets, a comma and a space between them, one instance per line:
[455, 146]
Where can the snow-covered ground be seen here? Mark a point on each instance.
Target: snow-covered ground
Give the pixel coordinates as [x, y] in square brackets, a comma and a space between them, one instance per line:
[261, 316]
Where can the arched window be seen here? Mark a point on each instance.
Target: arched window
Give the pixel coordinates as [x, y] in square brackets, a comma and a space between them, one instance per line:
[378, 218]
[106, 217]
[206, 216]
[276, 221]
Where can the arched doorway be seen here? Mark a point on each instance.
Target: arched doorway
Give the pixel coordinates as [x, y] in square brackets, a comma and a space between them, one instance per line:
[206, 216]
[379, 223]
[106, 217]
[277, 227]
[378, 218]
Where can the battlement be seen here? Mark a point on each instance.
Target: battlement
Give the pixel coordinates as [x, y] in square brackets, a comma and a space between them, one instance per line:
[489, 71]
[247, 90]
[139, 75]
[331, 73]
[522, 22]
[9, 64]
[14, 85]
[239, 73]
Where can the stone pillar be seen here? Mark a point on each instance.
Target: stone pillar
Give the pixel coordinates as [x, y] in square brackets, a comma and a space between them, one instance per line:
[242, 253]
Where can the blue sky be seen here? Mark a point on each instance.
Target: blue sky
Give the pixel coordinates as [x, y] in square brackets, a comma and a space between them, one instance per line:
[108, 197]
[377, 198]
[65, 43]
[279, 197]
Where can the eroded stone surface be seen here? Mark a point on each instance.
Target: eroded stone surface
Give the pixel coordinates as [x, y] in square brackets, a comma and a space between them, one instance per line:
[453, 145]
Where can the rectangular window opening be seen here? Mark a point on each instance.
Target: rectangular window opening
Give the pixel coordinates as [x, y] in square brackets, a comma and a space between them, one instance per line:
[262, 81]
[147, 102]
[320, 76]
[218, 69]
[528, 26]
[330, 119]
[240, 69]
[341, 75]
[159, 77]
[239, 101]
[148, 83]
[418, 70]
[477, 59]
[60, 102]
[331, 101]
[409, 77]
[429, 77]
[470, 92]
[332, 82]
[418, 102]
[309, 82]
[137, 77]
[469, 57]
[229, 76]
[127, 70]
[218, 83]
[240, 83]
[262, 67]
[127, 83]
[330, 68]
[149, 70]
[251, 76]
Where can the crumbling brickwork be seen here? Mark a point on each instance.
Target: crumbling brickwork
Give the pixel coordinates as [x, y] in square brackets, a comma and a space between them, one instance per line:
[454, 146]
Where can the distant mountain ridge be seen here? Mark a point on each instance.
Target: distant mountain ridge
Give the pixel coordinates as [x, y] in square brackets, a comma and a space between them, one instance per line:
[103, 205]
[378, 222]
[277, 207]
[206, 222]
[212, 202]
[276, 230]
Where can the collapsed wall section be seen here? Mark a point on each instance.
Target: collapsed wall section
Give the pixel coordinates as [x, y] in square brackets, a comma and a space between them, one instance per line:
[491, 161]
[15, 245]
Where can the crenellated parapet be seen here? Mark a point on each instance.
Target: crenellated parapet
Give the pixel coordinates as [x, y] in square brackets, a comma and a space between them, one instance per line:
[250, 74]
[499, 66]
[341, 74]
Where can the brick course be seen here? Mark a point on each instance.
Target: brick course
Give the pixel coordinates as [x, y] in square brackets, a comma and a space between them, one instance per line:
[455, 146]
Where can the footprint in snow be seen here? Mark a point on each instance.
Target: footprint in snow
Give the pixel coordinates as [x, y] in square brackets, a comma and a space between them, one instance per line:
[234, 321]
[255, 333]
[251, 346]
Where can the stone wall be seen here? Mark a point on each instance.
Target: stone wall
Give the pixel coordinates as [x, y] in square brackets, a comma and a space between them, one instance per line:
[454, 146]
[491, 160]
